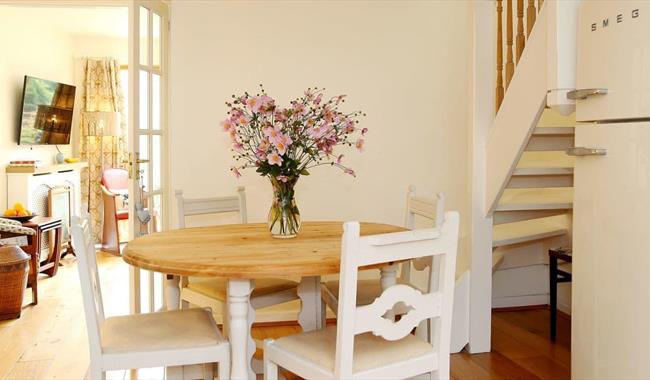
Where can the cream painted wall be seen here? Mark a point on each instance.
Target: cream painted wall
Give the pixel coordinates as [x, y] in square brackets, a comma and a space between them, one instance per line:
[29, 48]
[405, 63]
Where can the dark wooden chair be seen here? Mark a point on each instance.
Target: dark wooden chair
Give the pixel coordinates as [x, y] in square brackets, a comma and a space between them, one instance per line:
[557, 276]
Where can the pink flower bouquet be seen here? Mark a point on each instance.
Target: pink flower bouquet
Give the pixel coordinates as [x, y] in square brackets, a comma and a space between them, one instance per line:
[284, 143]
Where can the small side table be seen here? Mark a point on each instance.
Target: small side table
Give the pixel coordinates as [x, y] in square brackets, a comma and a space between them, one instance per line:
[557, 276]
[43, 224]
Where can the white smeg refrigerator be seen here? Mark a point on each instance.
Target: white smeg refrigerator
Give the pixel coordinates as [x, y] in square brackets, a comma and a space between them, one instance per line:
[611, 246]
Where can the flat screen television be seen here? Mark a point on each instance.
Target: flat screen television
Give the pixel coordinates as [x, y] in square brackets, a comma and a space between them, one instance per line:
[46, 112]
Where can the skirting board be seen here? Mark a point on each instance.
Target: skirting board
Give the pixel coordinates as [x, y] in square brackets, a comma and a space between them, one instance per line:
[517, 301]
[528, 300]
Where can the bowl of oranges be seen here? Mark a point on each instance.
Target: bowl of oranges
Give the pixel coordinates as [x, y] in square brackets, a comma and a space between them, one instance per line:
[18, 212]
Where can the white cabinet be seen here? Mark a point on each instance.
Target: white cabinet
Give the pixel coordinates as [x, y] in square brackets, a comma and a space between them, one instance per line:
[26, 187]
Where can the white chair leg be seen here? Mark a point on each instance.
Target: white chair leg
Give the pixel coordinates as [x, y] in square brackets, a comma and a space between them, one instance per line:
[270, 370]
[443, 370]
[323, 314]
[208, 371]
[224, 369]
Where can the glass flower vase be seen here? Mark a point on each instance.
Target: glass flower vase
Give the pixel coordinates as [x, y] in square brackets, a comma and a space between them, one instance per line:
[284, 216]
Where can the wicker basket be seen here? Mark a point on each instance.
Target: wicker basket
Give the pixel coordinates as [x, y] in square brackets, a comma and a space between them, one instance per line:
[14, 267]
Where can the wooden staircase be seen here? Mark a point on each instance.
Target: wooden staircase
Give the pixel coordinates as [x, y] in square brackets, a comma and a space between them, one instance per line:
[534, 211]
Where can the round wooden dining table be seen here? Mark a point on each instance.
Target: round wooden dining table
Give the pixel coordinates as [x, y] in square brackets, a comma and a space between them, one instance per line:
[243, 253]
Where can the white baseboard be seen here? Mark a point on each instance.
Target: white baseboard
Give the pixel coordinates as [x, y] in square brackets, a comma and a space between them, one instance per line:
[518, 301]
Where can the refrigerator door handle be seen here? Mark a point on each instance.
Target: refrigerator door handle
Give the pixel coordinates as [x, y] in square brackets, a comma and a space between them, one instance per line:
[580, 151]
[584, 93]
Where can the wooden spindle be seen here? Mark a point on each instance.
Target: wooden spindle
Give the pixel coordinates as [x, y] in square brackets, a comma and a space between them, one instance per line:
[521, 39]
[530, 17]
[539, 5]
[510, 64]
[499, 89]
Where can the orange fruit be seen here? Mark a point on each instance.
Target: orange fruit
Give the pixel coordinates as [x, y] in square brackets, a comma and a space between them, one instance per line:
[10, 212]
[19, 207]
[23, 213]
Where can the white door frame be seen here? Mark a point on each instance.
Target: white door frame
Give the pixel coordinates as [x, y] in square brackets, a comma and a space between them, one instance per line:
[135, 67]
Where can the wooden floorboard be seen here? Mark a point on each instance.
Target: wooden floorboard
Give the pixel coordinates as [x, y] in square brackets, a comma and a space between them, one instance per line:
[49, 340]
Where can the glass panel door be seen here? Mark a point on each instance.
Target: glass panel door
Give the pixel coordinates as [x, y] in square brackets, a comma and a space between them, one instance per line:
[147, 117]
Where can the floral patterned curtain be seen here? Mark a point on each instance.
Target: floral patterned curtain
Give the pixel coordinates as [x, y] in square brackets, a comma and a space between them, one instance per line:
[102, 92]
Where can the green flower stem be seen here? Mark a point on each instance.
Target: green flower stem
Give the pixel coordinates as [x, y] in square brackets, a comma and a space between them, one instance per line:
[284, 216]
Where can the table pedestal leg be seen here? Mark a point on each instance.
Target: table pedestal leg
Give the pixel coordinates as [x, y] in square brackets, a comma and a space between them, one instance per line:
[239, 328]
[388, 278]
[310, 317]
[173, 291]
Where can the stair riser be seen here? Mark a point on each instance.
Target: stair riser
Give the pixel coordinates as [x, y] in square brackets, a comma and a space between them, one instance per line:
[555, 131]
[565, 180]
[549, 143]
[524, 281]
[531, 253]
[501, 217]
[540, 206]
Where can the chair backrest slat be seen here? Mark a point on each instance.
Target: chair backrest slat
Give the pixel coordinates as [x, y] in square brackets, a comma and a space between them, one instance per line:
[215, 205]
[430, 209]
[81, 228]
[435, 305]
[421, 306]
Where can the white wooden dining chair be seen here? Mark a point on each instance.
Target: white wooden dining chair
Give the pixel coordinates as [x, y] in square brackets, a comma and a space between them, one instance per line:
[365, 344]
[171, 338]
[211, 292]
[369, 289]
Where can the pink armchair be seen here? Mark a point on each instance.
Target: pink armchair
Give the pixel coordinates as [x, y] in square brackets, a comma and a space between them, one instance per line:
[115, 183]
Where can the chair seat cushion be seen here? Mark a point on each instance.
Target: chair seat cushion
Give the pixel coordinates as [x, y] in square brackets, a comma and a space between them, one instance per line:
[215, 287]
[122, 214]
[370, 351]
[367, 290]
[187, 328]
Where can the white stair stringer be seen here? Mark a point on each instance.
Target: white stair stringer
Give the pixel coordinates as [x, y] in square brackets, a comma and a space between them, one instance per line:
[521, 109]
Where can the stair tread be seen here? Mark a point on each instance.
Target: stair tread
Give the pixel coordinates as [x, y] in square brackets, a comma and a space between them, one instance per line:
[554, 131]
[529, 230]
[497, 258]
[536, 198]
[545, 159]
[542, 171]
